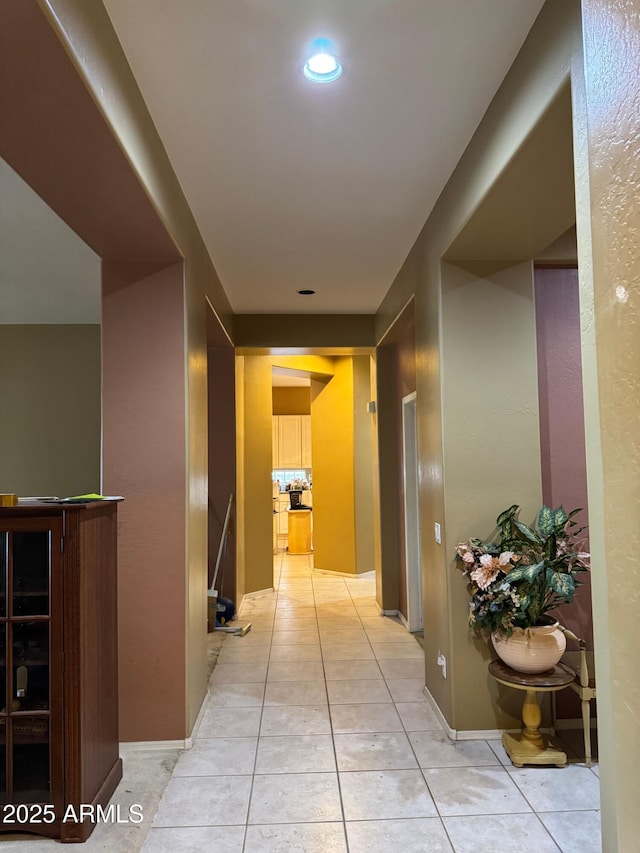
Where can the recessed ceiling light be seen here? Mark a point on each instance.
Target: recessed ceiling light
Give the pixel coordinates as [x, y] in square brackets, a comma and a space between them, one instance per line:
[306, 292]
[322, 66]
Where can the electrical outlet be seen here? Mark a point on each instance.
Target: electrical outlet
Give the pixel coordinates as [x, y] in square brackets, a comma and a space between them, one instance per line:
[442, 662]
[438, 535]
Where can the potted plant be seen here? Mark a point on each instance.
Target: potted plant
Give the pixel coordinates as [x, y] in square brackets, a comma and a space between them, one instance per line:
[515, 582]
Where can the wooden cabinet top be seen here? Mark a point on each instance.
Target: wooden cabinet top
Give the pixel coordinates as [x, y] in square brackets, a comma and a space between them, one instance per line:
[53, 507]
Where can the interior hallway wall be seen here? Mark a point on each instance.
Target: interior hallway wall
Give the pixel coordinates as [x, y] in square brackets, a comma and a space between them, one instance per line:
[608, 204]
[144, 392]
[363, 465]
[491, 443]
[222, 464]
[535, 80]
[291, 401]
[562, 442]
[253, 476]
[332, 443]
[50, 391]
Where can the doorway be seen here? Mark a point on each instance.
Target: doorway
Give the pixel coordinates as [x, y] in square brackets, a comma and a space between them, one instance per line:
[411, 513]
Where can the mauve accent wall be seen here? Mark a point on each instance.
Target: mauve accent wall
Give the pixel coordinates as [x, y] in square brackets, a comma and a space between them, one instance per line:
[562, 442]
[144, 459]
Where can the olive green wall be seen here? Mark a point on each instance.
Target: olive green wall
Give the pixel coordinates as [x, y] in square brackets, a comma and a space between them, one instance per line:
[363, 455]
[491, 446]
[50, 425]
[253, 474]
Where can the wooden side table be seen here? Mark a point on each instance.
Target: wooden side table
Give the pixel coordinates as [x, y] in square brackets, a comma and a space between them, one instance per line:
[531, 747]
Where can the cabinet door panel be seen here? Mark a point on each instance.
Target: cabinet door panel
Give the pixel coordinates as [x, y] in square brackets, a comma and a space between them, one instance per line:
[4, 541]
[275, 445]
[290, 441]
[305, 424]
[31, 768]
[30, 641]
[31, 569]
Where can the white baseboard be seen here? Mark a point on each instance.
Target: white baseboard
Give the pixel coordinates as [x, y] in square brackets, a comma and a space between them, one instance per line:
[330, 573]
[187, 743]
[249, 595]
[388, 612]
[467, 734]
[403, 620]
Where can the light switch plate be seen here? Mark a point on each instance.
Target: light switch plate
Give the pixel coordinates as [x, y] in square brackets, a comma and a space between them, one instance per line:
[436, 528]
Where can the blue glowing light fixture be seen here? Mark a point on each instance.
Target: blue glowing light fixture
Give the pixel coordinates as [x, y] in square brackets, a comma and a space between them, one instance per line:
[322, 66]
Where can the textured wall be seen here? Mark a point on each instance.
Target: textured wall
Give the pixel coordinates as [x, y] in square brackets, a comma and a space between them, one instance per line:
[609, 170]
[50, 425]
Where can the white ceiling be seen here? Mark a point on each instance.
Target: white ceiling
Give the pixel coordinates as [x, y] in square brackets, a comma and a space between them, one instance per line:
[298, 185]
[293, 185]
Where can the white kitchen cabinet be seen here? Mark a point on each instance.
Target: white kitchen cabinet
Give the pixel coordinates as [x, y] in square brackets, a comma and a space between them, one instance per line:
[305, 450]
[275, 450]
[290, 441]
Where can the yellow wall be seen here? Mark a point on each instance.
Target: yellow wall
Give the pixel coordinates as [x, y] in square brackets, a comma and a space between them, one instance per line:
[50, 424]
[291, 401]
[332, 447]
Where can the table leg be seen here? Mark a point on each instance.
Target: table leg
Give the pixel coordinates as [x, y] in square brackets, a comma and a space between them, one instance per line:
[531, 747]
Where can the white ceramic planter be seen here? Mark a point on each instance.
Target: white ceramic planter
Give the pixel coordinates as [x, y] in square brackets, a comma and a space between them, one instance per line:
[531, 650]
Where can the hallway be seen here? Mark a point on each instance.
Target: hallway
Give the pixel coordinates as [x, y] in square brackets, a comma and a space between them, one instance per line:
[318, 737]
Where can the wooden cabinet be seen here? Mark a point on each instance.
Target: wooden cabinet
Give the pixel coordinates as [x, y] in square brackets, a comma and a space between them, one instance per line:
[58, 665]
[305, 452]
[275, 449]
[291, 441]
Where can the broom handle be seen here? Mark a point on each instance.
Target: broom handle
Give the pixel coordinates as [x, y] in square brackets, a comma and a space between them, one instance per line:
[222, 542]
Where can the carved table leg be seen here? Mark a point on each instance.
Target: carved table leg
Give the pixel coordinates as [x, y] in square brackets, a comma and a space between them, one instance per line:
[531, 747]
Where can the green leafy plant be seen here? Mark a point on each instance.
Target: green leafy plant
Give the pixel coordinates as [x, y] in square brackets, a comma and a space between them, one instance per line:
[513, 583]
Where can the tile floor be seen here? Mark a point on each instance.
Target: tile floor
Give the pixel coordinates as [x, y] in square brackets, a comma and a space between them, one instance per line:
[317, 737]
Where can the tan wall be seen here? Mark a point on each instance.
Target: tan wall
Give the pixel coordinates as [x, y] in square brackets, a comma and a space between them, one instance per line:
[50, 425]
[291, 401]
[332, 443]
[253, 432]
[491, 446]
[534, 81]
[609, 213]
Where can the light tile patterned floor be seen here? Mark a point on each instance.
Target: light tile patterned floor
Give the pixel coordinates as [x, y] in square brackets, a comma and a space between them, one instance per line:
[317, 737]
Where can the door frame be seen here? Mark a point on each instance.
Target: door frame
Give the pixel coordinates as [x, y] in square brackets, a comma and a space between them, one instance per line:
[411, 513]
